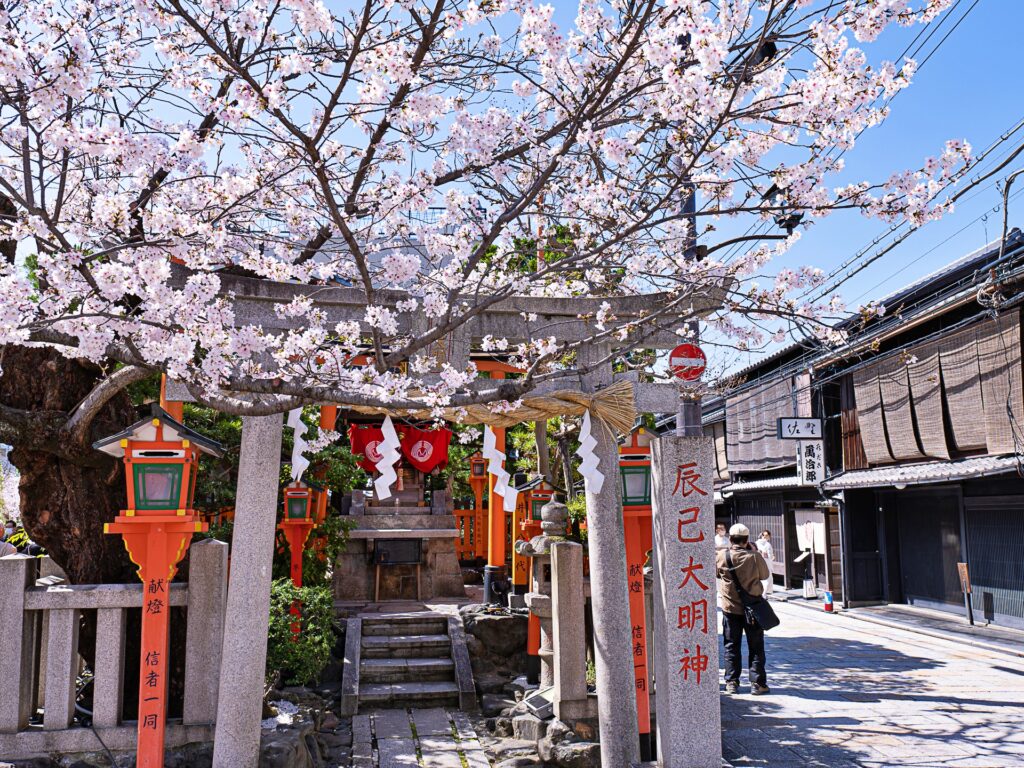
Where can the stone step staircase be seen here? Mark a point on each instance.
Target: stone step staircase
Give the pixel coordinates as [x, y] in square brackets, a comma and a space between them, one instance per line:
[398, 660]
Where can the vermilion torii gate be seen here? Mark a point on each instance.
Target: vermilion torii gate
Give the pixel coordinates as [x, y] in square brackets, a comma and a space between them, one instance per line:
[518, 319]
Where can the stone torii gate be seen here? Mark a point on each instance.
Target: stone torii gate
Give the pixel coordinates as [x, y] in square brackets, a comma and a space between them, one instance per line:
[517, 319]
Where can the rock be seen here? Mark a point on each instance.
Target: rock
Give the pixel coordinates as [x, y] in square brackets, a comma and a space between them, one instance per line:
[482, 665]
[528, 727]
[518, 762]
[520, 708]
[520, 685]
[299, 694]
[503, 727]
[502, 634]
[491, 704]
[509, 748]
[474, 646]
[289, 748]
[333, 740]
[330, 722]
[577, 754]
[585, 730]
[557, 733]
[490, 683]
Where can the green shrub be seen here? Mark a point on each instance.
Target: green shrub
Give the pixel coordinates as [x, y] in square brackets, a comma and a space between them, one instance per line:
[317, 567]
[299, 660]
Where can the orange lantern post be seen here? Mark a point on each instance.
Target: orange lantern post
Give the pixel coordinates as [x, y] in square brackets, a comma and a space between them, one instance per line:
[478, 481]
[296, 524]
[635, 470]
[161, 459]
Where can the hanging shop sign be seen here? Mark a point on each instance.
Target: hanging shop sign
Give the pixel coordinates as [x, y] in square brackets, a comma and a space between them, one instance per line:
[798, 428]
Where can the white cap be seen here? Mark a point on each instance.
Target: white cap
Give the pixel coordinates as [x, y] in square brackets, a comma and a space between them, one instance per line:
[739, 530]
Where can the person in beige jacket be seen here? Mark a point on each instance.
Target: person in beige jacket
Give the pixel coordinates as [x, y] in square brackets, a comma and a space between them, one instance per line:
[748, 569]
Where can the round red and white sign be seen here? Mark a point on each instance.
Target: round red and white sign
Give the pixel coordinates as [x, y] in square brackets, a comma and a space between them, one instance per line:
[422, 449]
[687, 362]
[372, 451]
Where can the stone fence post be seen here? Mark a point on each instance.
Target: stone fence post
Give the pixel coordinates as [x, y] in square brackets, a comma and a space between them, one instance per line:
[17, 573]
[207, 597]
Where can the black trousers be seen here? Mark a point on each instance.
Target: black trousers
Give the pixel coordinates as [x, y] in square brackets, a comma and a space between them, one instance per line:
[733, 627]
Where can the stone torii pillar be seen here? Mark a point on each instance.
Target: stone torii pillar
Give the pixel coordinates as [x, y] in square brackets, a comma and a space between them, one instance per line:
[609, 591]
[244, 654]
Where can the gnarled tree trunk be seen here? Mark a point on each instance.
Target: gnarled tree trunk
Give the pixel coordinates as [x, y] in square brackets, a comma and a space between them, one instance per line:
[67, 490]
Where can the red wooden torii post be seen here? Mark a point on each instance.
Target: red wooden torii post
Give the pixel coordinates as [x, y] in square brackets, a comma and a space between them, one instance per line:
[161, 460]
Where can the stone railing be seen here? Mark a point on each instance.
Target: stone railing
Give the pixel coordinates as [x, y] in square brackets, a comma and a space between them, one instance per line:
[40, 665]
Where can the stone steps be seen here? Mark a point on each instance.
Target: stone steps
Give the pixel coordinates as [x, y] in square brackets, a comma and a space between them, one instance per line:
[406, 670]
[416, 659]
[410, 694]
[405, 624]
[406, 646]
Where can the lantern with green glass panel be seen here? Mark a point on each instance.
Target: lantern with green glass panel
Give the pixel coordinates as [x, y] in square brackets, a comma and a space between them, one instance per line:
[161, 459]
[298, 502]
[635, 470]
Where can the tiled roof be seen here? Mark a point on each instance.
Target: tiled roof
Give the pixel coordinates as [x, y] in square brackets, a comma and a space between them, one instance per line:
[762, 485]
[928, 472]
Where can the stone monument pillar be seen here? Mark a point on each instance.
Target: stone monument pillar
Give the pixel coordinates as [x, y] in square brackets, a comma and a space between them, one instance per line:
[244, 654]
[685, 637]
[568, 605]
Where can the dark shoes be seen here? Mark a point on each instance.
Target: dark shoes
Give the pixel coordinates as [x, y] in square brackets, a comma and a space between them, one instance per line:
[732, 687]
[759, 690]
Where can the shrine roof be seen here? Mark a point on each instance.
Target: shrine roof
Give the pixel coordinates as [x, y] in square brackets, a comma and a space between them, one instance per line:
[145, 431]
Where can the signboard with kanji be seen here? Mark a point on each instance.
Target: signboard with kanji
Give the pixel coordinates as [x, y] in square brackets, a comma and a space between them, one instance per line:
[811, 462]
[685, 635]
[797, 428]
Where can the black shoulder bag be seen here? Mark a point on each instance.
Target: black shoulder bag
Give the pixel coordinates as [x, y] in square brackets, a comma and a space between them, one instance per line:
[757, 610]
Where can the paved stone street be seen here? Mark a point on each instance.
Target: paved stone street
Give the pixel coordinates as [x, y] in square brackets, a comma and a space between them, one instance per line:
[424, 738]
[850, 693]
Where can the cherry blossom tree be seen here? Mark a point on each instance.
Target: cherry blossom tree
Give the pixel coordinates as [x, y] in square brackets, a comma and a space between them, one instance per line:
[440, 157]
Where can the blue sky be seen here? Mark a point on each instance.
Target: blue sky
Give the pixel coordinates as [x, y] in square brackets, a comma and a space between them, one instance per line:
[969, 88]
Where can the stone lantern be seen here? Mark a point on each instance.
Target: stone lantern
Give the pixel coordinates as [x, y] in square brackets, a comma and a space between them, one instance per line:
[554, 516]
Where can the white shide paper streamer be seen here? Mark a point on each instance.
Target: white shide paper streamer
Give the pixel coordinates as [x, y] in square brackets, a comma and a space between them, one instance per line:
[494, 457]
[389, 455]
[299, 444]
[592, 476]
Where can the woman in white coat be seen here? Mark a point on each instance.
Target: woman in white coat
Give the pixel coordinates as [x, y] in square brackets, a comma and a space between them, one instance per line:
[764, 546]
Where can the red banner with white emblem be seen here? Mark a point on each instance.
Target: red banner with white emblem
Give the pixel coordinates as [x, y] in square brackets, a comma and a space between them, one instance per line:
[425, 449]
[366, 441]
